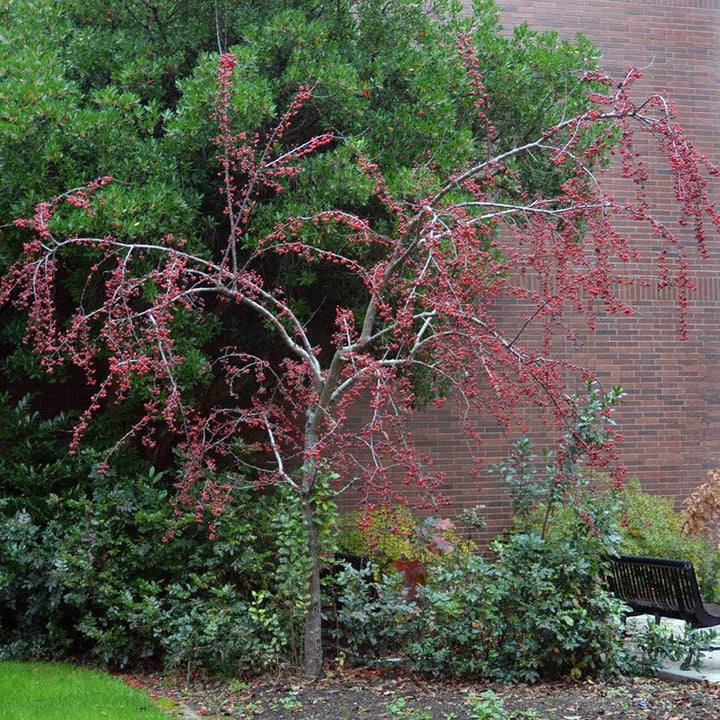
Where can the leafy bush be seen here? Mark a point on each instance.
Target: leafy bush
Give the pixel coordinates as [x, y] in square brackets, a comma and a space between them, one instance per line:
[652, 527]
[90, 91]
[98, 579]
[103, 565]
[34, 461]
[538, 612]
[372, 614]
[558, 619]
[455, 631]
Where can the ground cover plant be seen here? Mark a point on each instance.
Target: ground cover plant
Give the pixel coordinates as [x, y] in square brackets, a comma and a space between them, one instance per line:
[57, 691]
[330, 208]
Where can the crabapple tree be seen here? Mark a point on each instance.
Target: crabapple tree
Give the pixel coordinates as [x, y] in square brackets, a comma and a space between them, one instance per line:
[428, 270]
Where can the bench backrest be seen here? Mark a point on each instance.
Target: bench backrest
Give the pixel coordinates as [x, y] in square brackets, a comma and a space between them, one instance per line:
[656, 586]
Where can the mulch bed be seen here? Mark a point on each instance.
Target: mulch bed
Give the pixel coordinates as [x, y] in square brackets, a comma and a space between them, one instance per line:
[347, 694]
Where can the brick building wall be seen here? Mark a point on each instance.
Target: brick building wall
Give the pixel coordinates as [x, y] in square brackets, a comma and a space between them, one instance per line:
[671, 419]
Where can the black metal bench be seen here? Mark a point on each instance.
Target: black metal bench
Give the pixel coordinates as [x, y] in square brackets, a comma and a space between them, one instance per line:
[660, 587]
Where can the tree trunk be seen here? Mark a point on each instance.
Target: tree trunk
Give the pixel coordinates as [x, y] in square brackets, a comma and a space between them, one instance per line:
[313, 617]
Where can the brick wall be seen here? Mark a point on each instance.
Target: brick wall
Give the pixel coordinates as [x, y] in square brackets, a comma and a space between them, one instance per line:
[672, 417]
[671, 420]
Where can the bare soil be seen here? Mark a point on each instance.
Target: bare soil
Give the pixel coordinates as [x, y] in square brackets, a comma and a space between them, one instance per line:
[349, 694]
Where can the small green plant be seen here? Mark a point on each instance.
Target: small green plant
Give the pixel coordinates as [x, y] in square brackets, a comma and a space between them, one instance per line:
[290, 702]
[249, 710]
[474, 517]
[399, 709]
[487, 706]
[237, 686]
[657, 642]
[397, 706]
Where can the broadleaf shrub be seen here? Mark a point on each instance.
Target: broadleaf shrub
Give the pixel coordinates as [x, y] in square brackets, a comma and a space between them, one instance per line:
[538, 612]
[97, 580]
[105, 567]
[372, 614]
[560, 497]
[558, 619]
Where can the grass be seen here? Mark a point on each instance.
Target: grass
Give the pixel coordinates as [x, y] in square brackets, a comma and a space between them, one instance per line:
[55, 691]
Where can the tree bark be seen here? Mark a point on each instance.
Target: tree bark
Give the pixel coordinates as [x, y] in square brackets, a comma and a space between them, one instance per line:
[312, 642]
[313, 659]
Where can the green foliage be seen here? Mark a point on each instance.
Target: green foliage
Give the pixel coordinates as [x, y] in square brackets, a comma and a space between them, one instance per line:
[487, 706]
[561, 482]
[559, 619]
[35, 466]
[97, 579]
[372, 614]
[560, 502]
[658, 642]
[391, 534]
[459, 608]
[636, 522]
[651, 527]
[538, 612]
[583, 518]
[103, 565]
[91, 88]
[130, 91]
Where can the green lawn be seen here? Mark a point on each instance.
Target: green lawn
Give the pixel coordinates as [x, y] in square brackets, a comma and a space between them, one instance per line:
[55, 691]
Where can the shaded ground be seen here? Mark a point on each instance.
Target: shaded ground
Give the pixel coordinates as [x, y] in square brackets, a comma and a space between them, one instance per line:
[353, 694]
